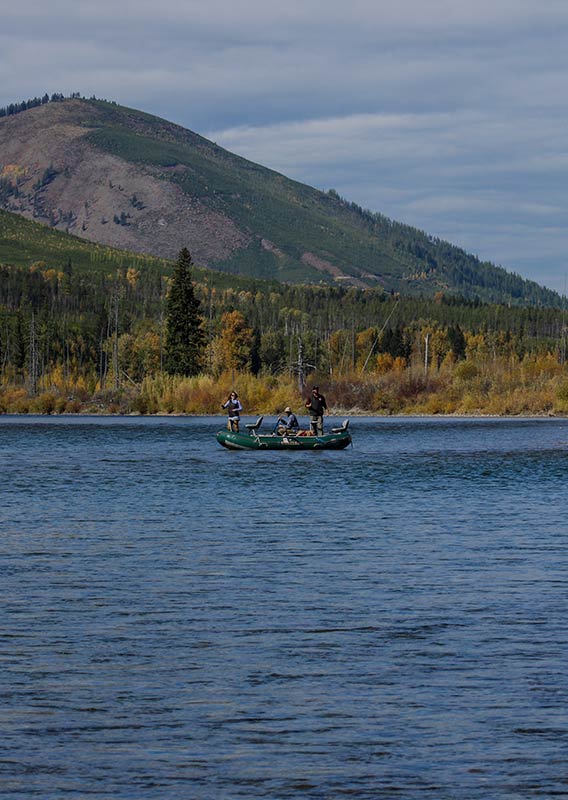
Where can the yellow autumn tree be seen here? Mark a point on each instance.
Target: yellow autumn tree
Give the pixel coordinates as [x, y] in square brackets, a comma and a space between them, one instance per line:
[233, 345]
[132, 276]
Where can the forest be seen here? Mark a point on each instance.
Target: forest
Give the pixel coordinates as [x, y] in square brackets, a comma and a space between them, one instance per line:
[79, 339]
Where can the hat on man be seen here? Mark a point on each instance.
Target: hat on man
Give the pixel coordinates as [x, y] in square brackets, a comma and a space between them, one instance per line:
[287, 410]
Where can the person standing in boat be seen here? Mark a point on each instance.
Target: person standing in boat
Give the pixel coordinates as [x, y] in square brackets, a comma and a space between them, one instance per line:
[234, 408]
[317, 406]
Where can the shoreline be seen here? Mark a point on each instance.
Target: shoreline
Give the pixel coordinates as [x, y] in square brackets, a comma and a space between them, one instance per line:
[352, 414]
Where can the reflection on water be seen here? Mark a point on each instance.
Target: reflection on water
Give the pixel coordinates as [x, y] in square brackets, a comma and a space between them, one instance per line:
[183, 621]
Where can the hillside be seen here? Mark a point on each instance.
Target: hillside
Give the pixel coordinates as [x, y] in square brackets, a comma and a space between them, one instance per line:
[126, 179]
[51, 271]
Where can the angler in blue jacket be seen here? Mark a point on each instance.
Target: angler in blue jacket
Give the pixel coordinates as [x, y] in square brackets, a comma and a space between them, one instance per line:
[287, 422]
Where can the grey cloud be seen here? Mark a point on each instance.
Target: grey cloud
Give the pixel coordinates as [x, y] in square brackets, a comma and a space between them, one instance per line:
[463, 177]
[446, 115]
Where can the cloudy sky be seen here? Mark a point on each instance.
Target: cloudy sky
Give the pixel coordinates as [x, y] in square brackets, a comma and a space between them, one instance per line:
[449, 115]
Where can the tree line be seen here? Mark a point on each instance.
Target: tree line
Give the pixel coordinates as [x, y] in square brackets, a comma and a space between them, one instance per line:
[125, 325]
[34, 102]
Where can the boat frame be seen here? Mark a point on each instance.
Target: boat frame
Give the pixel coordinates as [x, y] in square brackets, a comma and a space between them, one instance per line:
[253, 440]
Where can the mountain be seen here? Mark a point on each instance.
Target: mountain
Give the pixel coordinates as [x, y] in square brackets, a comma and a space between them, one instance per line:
[127, 179]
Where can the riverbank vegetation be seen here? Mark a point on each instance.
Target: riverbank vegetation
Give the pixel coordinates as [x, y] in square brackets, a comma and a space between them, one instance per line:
[77, 340]
[534, 385]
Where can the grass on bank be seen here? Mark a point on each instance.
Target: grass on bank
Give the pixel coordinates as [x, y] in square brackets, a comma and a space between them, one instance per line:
[535, 385]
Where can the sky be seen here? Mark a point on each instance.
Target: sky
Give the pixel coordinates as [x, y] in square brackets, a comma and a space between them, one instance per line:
[447, 115]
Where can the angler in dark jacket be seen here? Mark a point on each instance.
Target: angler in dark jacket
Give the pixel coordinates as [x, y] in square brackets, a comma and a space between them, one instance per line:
[317, 407]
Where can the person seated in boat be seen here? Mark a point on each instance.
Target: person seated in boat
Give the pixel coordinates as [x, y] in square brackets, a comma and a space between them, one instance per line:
[287, 423]
[234, 408]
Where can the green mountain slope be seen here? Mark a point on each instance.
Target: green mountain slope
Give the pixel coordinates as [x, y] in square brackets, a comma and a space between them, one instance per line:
[25, 243]
[127, 179]
[52, 271]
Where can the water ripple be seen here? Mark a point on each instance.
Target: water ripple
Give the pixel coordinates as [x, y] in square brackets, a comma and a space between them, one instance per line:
[181, 621]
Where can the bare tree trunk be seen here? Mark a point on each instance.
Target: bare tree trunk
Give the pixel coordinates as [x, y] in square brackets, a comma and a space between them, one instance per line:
[353, 344]
[115, 346]
[210, 333]
[301, 377]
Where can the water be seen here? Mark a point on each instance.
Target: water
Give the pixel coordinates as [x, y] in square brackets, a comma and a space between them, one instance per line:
[181, 621]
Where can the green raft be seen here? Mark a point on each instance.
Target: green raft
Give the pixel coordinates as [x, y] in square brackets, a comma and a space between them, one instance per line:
[253, 440]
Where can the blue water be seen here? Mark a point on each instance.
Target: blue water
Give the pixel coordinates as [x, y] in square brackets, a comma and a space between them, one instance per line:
[181, 621]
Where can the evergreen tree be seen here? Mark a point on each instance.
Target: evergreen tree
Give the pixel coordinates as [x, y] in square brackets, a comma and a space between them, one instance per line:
[457, 342]
[184, 334]
[20, 350]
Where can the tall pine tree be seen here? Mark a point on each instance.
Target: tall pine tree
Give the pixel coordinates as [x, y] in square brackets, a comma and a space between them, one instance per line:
[184, 333]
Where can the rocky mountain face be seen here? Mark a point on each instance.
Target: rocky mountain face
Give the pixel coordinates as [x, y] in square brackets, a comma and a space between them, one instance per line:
[64, 180]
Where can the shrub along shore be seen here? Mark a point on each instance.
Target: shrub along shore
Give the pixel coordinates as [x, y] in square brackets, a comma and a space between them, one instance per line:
[532, 386]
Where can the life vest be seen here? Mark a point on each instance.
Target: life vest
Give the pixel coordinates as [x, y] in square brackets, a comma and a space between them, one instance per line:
[233, 409]
[316, 405]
